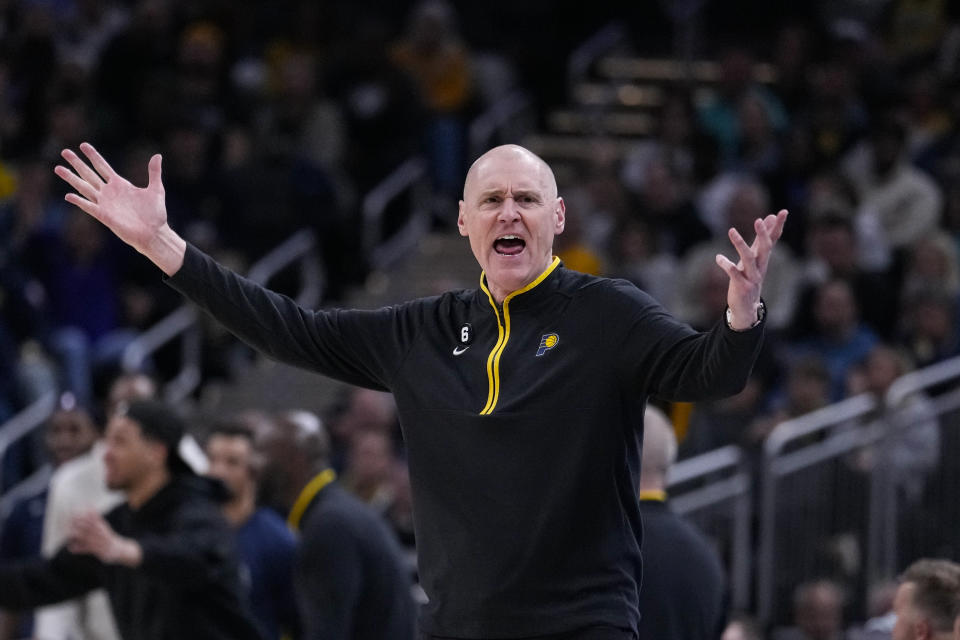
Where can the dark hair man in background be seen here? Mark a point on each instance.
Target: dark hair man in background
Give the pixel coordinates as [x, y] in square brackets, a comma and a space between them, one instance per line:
[265, 544]
[164, 556]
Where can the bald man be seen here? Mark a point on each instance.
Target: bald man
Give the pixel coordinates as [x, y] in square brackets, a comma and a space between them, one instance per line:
[519, 400]
[684, 593]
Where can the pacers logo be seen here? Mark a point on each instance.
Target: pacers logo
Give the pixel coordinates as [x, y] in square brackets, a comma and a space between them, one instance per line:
[547, 342]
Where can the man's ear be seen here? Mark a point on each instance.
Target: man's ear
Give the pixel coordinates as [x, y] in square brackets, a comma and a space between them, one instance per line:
[461, 220]
[561, 216]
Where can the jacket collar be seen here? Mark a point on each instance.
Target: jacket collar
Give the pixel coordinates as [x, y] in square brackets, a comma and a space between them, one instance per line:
[536, 290]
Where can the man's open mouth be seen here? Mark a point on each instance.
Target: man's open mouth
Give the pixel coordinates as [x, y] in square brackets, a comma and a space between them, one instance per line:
[509, 245]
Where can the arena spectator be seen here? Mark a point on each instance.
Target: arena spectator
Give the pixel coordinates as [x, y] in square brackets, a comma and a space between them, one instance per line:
[817, 613]
[69, 433]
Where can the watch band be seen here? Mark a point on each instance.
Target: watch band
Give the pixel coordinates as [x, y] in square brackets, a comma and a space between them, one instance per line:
[761, 314]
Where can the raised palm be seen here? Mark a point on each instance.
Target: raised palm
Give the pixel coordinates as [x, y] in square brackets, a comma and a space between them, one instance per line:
[136, 215]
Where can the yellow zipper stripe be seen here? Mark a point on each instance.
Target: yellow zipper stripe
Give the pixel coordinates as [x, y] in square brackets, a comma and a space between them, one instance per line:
[491, 378]
[493, 361]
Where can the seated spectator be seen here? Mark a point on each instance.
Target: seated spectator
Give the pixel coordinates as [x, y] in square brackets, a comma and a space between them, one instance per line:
[914, 450]
[832, 250]
[898, 203]
[370, 463]
[817, 613]
[747, 200]
[880, 615]
[839, 337]
[929, 329]
[70, 432]
[81, 272]
[742, 627]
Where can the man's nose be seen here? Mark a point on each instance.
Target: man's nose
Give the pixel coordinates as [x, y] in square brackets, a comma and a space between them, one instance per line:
[508, 210]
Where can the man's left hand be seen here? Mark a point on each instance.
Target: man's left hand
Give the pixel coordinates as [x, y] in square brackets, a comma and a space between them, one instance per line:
[746, 277]
[90, 533]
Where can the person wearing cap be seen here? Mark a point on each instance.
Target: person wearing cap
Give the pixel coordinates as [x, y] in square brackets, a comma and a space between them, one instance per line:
[164, 556]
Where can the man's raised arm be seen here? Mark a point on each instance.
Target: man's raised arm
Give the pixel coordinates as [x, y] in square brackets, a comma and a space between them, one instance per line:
[137, 216]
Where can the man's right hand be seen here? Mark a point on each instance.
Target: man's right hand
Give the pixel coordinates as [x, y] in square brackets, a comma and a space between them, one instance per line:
[137, 216]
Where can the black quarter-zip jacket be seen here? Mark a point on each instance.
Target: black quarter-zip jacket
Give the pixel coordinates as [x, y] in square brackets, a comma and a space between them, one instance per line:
[187, 587]
[522, 423]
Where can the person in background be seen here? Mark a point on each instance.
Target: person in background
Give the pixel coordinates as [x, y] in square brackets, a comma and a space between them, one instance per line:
[927, 600]
[70, 432]
[77, 487]
[265, 545]
[164, 556]
[685, 585]
[817, 612]
[742, 627]
[350, 582]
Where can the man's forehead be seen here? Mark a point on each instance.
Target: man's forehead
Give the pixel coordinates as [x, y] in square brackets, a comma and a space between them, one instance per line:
[508, 167]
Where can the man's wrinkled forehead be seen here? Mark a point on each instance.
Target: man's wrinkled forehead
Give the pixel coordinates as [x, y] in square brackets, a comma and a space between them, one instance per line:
[526, 171]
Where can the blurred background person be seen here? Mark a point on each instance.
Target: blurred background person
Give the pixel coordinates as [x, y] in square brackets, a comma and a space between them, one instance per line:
[69, 433]
[817, 612]
[75, 488]
[264, 543]
[348, 563]
[926, 600]
[164, 556]
[684, 593]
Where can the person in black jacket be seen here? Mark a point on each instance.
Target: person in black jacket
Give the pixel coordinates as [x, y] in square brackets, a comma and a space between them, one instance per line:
[350, 580]
[684, 594]
[519, 400]
[164, 556]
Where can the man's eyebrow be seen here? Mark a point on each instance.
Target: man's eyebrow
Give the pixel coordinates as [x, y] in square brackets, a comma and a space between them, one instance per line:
[530, 193]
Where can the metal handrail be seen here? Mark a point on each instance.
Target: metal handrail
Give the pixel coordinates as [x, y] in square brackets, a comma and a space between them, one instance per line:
[783, 434]
[184, 322]
[503, 112]
[25, 422]
[737, 488]
[136, 353]
[608, 37]
[922, 379]
[809, 423]
[410, 174]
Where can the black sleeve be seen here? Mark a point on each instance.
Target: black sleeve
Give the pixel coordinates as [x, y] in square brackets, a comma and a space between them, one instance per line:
[359, 347]
[329, 577]
[668, 359]
[26, 584]
[196, 551]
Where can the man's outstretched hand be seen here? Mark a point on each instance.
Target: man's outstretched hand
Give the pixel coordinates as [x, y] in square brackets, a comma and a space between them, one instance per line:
[746, 277]
[138, 216]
